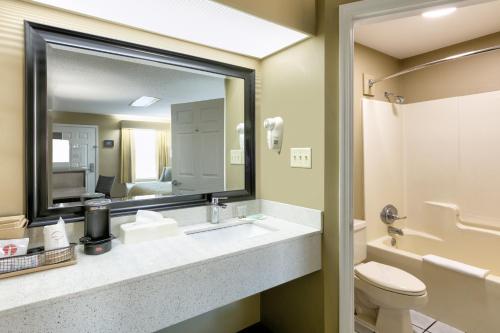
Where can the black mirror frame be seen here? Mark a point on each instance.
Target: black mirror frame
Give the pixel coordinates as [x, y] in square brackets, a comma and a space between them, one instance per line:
[37, 36]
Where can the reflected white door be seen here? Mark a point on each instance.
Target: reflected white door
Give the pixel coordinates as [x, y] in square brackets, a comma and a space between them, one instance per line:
[83, 150]
[198, 147]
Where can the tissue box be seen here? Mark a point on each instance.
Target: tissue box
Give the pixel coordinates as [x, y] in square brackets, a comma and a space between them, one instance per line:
[137, 232]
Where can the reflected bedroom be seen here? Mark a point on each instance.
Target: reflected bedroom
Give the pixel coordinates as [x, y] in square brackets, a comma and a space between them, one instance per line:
[127, 129]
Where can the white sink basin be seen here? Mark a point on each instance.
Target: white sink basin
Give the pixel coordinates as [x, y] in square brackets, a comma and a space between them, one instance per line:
[232, 233]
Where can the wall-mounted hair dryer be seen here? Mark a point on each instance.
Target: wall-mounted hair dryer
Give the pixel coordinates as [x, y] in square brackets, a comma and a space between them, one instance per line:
[274, 127]
[240, 130]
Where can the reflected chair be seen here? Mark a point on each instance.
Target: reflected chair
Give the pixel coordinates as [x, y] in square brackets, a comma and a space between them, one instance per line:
[104, 185]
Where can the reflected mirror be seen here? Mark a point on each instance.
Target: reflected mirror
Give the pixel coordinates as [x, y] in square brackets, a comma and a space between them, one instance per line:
[147, 128]
[128, 128]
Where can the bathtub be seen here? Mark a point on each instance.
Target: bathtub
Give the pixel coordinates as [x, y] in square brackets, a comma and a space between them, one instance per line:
[469, 303]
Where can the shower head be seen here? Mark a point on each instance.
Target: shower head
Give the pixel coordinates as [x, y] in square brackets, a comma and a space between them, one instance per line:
[394, 98]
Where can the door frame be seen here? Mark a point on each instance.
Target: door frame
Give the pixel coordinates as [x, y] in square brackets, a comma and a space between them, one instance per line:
[96, 127]
[349, 15]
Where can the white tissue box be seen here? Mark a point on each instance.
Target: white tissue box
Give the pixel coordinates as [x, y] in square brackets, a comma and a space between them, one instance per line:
[137, 232]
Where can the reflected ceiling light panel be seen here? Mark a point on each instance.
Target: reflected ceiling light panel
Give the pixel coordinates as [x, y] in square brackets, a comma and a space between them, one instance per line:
[200, 21]
[439, 12]
[144, 101]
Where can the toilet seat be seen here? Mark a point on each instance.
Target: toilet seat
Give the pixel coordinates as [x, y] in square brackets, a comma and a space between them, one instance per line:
[390, 278]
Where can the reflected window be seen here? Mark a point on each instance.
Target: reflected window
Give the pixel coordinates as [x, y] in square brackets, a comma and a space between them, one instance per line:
[60, 151]
[146, 167]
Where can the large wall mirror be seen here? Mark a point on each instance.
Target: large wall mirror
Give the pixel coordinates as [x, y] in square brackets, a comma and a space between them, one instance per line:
[146, 128]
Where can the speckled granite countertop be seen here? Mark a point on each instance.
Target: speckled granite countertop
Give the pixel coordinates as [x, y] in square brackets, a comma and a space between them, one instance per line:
[131, 265]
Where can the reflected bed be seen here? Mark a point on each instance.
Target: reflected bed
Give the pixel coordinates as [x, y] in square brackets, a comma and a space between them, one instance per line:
[146, 188]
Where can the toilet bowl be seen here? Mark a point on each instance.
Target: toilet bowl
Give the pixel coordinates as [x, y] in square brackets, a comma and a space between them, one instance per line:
[384, 294]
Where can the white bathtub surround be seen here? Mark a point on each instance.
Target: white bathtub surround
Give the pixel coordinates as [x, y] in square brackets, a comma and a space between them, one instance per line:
[468, 303]
[474, 300]
[450, 195]
[383, 162]
[439, 150]
[456, 266]
[148, 286]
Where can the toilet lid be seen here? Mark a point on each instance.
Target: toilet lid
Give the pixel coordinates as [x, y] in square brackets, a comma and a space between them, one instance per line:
[390, 278]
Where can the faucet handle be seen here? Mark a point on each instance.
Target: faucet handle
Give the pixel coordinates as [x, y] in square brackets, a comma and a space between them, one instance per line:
[389, 215]
[215, 201]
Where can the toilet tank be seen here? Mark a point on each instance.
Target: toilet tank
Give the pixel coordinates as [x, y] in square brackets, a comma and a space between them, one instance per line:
[359, 241]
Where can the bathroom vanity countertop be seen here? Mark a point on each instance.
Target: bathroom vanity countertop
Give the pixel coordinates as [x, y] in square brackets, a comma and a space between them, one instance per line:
[127, 263]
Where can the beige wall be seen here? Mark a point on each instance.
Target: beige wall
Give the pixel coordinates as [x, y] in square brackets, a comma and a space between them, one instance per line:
[296, 14]
[235, 113]
[457, 78]
[309, 304]
[377, 64]
[292, 87]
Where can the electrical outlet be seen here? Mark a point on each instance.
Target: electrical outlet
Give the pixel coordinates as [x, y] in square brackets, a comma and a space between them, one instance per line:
[300, 158]
[237, 156]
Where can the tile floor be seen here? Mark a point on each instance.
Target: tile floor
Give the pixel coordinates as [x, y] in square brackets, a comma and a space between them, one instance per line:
[421, 323]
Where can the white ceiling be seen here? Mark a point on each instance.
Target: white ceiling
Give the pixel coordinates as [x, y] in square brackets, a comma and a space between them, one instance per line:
[200, 21]
[90, 82]
[410, 36]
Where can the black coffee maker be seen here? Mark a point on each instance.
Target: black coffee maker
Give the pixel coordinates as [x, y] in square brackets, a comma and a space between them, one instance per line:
[97, 238]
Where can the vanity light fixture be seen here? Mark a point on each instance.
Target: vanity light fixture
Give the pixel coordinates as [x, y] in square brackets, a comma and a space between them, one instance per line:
[203, 22]
[439, 12]
[144, 101]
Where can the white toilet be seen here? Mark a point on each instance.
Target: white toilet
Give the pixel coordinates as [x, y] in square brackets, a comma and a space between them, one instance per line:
[384, 294]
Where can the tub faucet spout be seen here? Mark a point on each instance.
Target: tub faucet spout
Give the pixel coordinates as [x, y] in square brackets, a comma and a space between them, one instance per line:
[394, 231]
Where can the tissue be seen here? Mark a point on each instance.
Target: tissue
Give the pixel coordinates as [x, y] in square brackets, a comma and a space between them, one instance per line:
[54, 236]
[147, 216]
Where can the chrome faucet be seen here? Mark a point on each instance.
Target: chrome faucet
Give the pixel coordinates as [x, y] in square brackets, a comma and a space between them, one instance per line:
[394, 231]
[215, 207]
[389, 215]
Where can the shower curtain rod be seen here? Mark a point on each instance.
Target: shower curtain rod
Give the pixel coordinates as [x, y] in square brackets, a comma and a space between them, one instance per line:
[371, 83]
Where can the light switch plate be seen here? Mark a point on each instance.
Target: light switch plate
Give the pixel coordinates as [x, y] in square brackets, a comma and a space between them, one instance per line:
[237, 156]
[300, 158]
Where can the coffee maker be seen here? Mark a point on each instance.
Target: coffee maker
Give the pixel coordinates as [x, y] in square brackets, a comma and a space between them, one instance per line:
[97, 237]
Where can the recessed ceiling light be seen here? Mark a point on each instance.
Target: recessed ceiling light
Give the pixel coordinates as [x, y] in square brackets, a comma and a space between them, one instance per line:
[202, 21]
[439, 12]
[144, 101]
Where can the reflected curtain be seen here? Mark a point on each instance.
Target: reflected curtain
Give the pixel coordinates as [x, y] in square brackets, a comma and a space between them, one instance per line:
[127, 156]
[161, 150]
